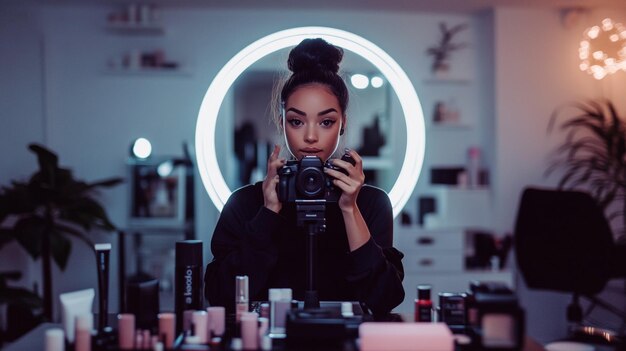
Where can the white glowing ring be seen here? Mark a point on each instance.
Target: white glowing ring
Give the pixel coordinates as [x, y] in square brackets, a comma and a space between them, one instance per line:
[207, 117]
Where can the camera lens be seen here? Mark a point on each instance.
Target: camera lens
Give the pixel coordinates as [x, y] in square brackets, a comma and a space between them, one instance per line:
[310, 182]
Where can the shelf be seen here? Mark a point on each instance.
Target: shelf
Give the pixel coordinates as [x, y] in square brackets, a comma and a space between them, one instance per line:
[377, 162]
[148, 72]
[136, 28]
[451, 125]
[447, 81]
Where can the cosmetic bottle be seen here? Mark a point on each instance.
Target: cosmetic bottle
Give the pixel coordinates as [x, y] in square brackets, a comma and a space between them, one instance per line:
[84, 326]
[250, 330]
[217, 320]
[55, 340]
[188, 279]
[241, 296]
[280, 304]
[423, 304]
[167, 325]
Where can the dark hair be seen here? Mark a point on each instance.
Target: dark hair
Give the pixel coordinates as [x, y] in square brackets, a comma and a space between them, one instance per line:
[316, 61]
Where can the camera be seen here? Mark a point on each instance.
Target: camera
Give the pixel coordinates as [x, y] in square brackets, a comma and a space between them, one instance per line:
[306, 180]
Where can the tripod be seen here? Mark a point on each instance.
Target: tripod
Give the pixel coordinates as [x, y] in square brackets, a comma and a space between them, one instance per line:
[311, 214]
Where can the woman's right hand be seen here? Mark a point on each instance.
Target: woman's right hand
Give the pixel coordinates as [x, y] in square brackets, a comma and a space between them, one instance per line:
[270, 196]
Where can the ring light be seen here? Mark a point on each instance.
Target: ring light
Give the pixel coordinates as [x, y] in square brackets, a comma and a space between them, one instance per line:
[208, 167]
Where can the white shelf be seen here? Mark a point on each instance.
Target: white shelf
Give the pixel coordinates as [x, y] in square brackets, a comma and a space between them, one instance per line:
[447, 81]
[136, 28]
[148, 72]
[451, 125]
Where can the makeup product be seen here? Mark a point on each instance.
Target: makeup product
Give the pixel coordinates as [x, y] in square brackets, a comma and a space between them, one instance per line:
[217, 320]
[102, 256]
[346, 309]
[400, 336]
[241, 296]
[75, 304]
[423, 304]
[250, 330]
[188, 279]
[187, 321]
[55, 340]
[280, 303]
[84, 326]
[452, 309]
[138, 340]
[126, 331]
[264, 310]
[167, 327]
[147, 339]
[265, 342]
[142, 300]
[200, 320]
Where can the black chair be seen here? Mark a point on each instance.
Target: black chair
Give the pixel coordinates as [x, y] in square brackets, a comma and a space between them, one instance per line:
[563, 242]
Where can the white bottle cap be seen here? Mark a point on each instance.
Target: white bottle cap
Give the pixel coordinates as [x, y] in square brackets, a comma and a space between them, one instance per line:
[236, 344]
[275, 294]
[286, 294]
[158, 346]
[346, 309]
[55, 340]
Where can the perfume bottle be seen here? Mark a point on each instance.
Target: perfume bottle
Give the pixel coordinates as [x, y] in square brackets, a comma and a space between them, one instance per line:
[423, 304]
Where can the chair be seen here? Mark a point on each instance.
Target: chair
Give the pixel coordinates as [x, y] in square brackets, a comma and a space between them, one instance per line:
[564, 243]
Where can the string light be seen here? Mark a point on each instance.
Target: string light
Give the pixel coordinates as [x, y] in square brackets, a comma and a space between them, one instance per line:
[603, 49]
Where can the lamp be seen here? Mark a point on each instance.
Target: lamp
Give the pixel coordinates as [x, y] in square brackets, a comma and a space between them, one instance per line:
[603, 49]
[208, 167]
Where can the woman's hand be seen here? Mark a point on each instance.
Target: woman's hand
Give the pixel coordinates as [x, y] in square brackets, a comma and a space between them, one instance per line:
[350, 184]
[270, 196]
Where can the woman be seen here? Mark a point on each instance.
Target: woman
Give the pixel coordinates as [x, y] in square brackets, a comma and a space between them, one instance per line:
[257, 235]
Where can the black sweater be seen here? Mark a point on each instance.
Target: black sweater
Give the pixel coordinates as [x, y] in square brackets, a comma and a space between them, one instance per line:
[270, 249]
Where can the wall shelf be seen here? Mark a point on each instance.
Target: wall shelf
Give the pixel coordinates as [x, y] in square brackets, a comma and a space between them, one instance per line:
[148, 72]
[136, 28]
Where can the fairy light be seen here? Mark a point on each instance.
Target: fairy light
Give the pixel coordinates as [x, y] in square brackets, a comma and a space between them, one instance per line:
[603, 49]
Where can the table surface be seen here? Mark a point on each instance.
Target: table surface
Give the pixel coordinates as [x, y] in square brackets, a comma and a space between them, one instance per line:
[34, 340]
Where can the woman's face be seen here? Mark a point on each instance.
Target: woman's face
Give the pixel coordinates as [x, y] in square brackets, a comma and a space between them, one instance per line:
[313, 120]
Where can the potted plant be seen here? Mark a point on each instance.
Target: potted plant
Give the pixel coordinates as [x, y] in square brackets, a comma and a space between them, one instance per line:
[42, 214]
[593, 155]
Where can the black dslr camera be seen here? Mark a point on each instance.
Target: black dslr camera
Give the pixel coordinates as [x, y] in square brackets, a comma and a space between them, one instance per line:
[306, 180]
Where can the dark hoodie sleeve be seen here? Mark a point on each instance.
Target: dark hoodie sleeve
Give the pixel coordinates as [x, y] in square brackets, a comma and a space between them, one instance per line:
[242, 244]
[376, 267]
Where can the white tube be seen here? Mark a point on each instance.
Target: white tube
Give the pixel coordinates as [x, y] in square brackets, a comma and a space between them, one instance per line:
[55, 340]
[75, 304]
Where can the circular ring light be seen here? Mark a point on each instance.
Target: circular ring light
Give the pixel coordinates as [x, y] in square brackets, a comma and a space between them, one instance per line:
[207, 117]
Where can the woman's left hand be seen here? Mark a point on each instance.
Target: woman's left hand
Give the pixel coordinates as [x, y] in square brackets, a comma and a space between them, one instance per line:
[350, 184]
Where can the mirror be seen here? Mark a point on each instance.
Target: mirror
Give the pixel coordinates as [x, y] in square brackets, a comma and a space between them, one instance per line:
[375, 124]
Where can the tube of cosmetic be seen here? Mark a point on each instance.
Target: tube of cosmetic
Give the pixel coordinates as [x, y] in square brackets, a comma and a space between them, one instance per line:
[102, 256]
[84, 326]
[188, 279]
[241, 296]
[217, 320]
[167, 327]
[126, 331]
[200, 320]
[75, 304]
[55, 340]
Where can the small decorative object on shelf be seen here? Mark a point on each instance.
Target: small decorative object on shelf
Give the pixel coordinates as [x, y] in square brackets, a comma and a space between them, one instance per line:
[135, 17]
[135, 61]
[446, 113]
[441, 52]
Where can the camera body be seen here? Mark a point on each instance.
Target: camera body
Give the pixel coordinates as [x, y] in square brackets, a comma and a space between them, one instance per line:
[306, 180]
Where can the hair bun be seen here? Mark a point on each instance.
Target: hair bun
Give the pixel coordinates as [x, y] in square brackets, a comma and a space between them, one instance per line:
[315, 54]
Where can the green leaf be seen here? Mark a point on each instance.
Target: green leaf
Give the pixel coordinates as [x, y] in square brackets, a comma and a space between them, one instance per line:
[66, 229]
[107, 183]
[6, 236]
[29, 231]
[60, 249]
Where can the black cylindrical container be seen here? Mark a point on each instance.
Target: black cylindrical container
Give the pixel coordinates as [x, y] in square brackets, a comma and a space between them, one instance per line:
[188, 282]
